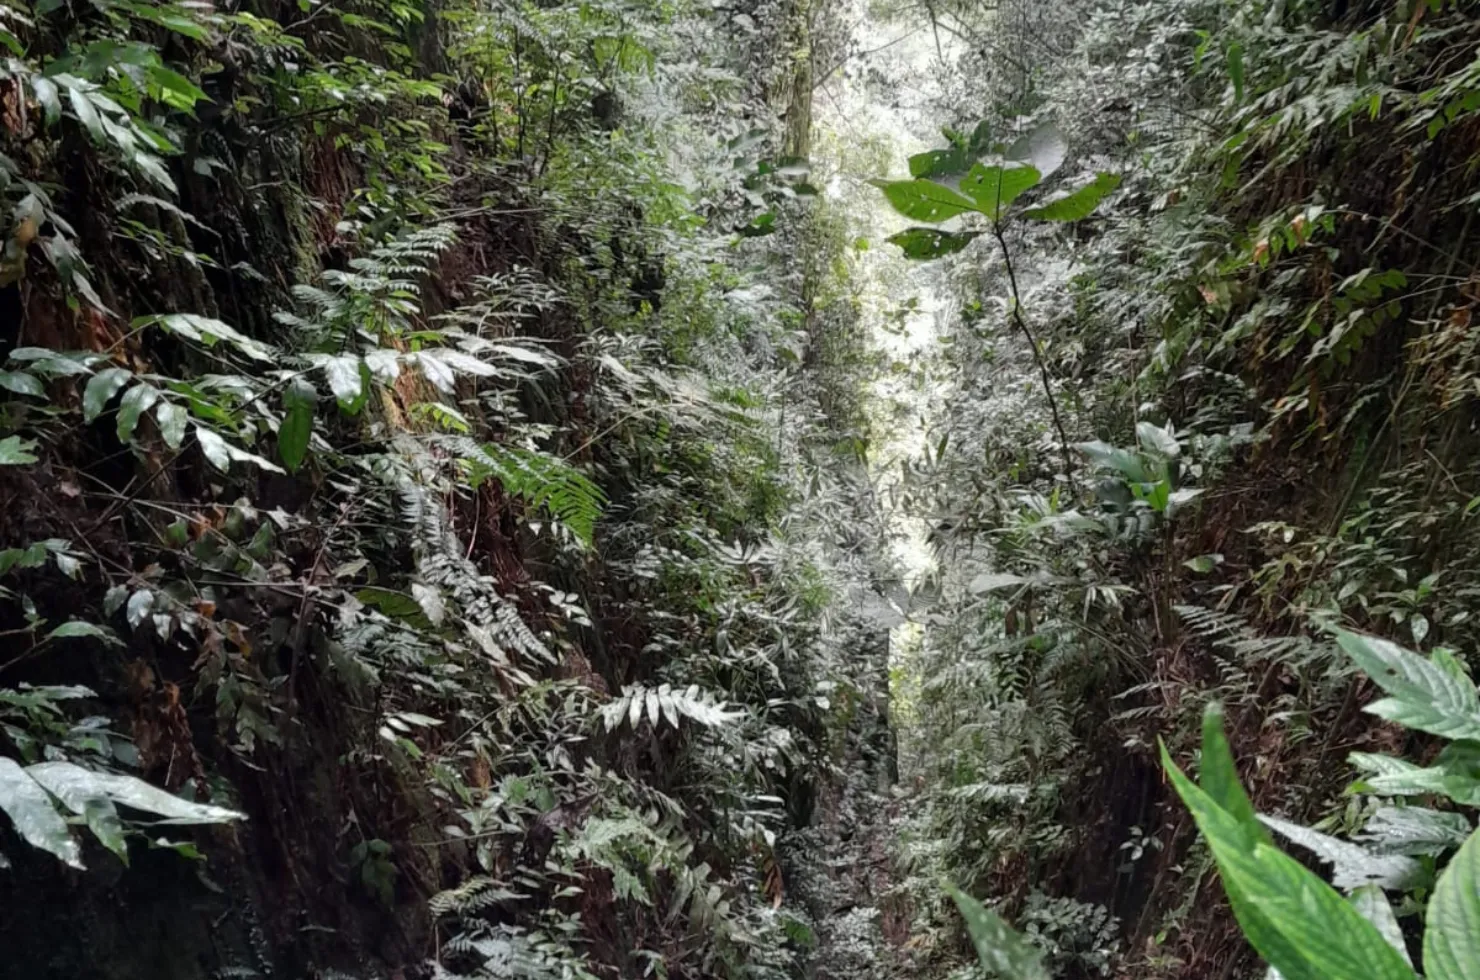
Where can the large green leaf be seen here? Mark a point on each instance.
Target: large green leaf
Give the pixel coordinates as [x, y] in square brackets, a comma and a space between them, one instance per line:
[940, 163]
[1432, 696]
[1218, 775]
[924, 200]
[1219, 779]
[994, 188]
[1078, 204]
[931, 243]
[74, 786]
[1451, 942]
[34, 815]
[1002, 950]
[1300, 925]
[1297, 922]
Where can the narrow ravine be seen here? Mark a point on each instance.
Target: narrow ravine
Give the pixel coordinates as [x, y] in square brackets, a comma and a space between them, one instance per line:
[745, 490]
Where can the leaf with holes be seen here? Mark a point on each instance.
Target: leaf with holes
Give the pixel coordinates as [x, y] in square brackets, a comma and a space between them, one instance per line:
[924, 200]
[994, 188]
[931, 243]
[1077, 204]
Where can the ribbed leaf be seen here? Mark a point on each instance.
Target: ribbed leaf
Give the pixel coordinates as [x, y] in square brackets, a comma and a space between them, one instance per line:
[1352, 865]
[1002, 950]
[1414, 830]
[1451, 942]
[1430, 695]
[1297, 922]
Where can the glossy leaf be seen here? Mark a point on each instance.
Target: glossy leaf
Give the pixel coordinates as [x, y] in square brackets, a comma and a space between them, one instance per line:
[136, 401]
[214, 448]
[100, 390]
[343, 374]
[74, 785]
[22, 383]
[49, 98]
[171, 419]
[33, 814]
[207, 332]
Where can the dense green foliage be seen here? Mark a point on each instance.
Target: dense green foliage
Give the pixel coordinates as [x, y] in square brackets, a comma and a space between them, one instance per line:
[476, 502]
[1252, 346]
[387, 389]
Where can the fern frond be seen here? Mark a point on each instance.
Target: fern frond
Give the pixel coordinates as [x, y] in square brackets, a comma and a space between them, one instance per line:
[540, 479]
[665, 703]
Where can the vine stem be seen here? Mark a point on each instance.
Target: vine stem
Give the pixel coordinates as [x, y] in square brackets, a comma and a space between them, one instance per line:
[1017, 318]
